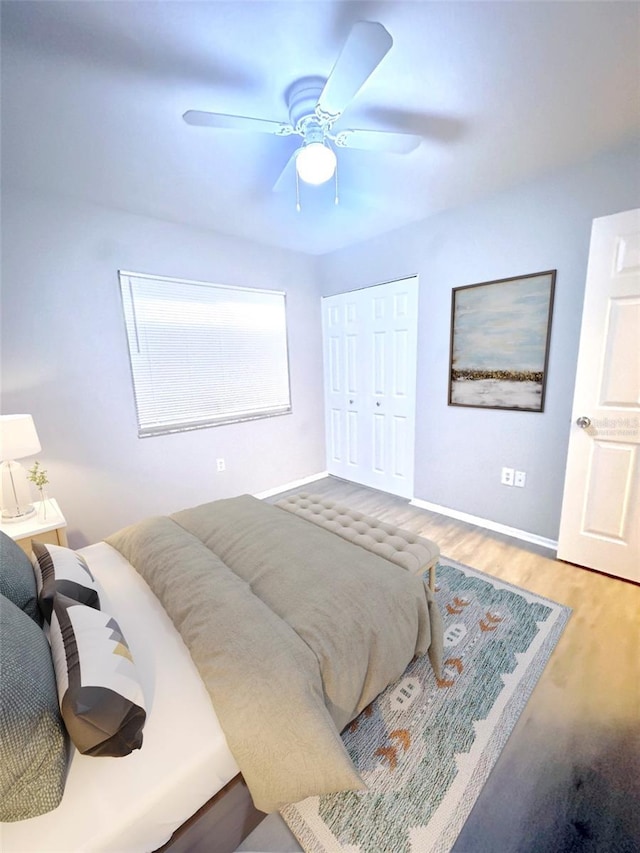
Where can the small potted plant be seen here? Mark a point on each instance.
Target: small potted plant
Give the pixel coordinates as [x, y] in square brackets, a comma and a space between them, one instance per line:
[38, 477]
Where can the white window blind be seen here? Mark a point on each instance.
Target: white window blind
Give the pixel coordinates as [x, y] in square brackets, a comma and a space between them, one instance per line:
[204, 354]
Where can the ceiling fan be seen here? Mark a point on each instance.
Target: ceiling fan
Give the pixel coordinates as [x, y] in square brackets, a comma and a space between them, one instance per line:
[315, 104]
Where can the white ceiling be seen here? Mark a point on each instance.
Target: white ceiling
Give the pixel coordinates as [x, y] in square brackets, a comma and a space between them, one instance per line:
[93, 94]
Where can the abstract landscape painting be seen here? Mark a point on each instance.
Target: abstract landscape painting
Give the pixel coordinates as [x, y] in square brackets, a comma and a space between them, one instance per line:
[500, 342]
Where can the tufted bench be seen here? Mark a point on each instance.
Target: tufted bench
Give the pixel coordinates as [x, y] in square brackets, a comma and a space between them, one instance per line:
[412, 552]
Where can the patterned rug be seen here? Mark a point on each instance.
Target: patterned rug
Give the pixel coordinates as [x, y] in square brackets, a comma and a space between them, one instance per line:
[426, 746]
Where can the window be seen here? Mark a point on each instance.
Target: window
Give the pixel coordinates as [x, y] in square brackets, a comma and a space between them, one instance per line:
[204, 354]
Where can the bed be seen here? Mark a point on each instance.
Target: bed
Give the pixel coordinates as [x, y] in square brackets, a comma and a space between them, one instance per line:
[191, 751]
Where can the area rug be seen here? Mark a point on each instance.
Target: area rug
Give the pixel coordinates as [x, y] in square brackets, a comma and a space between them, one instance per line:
[426, 746]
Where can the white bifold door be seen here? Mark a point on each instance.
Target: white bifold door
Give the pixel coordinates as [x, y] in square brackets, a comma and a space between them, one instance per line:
[600, 525]
[370, 351]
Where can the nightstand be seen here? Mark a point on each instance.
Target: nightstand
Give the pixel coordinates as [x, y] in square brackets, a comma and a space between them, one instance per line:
[50, 528]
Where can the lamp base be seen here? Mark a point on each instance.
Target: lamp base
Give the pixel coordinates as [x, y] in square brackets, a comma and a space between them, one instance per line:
[16, 499]
[26, 512]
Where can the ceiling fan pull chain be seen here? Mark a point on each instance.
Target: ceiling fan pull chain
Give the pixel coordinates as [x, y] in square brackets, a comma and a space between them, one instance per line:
[297, 192]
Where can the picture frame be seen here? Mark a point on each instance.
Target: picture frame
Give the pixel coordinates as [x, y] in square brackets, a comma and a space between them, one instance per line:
[499, 344]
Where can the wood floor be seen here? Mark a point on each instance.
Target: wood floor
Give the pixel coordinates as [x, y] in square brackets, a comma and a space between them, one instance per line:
[568, 780]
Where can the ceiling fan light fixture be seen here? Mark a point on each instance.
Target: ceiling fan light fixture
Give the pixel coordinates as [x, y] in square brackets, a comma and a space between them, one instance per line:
[315, 163]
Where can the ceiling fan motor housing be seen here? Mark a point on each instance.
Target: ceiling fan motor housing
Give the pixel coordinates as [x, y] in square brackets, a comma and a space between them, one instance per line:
[302, 98]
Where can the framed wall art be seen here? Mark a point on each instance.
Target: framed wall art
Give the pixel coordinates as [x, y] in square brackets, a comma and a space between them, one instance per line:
[500, 333]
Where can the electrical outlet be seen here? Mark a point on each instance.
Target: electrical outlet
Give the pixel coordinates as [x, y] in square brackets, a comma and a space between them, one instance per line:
[520, 479]
[507, 477]
[220, 464]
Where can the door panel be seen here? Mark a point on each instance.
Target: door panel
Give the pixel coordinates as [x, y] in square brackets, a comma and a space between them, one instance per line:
[335, 436]
[400, 305]
[621, 378]
[352, 438]
[600, 525]
[379, 341]
[610, 478]
[352, 364]
[370, 336]
[398, 443]
[378, 443]
[335, 372]
[401, 371]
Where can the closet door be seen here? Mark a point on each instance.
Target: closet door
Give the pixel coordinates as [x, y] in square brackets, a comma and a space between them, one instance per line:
[370, 350]
[344, 342]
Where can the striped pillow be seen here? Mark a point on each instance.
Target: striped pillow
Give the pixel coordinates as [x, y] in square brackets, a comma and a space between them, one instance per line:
[61, 570]
[100, 698]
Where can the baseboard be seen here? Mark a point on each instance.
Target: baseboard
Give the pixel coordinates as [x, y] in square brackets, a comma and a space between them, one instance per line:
[524, 535]
[293, 485]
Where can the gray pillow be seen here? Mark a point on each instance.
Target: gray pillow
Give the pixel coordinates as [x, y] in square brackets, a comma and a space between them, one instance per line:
[33, 742]
[17, 581]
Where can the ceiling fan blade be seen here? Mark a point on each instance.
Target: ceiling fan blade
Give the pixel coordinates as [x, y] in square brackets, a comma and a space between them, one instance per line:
[286, 177]
[393, 142]
[228, 122]
[366, 46]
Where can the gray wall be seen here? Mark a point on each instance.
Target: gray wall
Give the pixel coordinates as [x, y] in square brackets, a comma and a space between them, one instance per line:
[538, 226]
[64, 353]
[65, 361]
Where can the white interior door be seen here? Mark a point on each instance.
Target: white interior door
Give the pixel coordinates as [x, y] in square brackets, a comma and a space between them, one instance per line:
[370, 350]
[600, 524]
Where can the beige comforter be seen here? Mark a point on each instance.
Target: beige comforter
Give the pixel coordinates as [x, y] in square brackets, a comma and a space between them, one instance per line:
[294, 631]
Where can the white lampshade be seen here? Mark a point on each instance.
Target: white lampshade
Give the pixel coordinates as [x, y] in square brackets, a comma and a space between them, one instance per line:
[18, 437]
[315, 163]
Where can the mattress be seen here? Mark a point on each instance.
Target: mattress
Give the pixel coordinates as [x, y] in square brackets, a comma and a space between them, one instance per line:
[134, 804]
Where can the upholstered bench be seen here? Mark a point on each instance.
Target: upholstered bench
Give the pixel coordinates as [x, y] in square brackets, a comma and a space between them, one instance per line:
[412, 552]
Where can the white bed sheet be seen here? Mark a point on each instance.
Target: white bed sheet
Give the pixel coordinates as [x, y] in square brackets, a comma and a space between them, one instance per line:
[134, 804]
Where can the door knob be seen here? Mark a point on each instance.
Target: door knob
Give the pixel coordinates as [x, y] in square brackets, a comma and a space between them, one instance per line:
[583, 422]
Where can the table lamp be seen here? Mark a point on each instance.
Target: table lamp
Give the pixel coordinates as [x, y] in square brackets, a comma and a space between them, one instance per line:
[18, 438]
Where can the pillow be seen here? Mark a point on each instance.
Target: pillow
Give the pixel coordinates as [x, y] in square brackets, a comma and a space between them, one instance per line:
[100, 698]
[59, 569]
[33, 742]
[17, 581]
